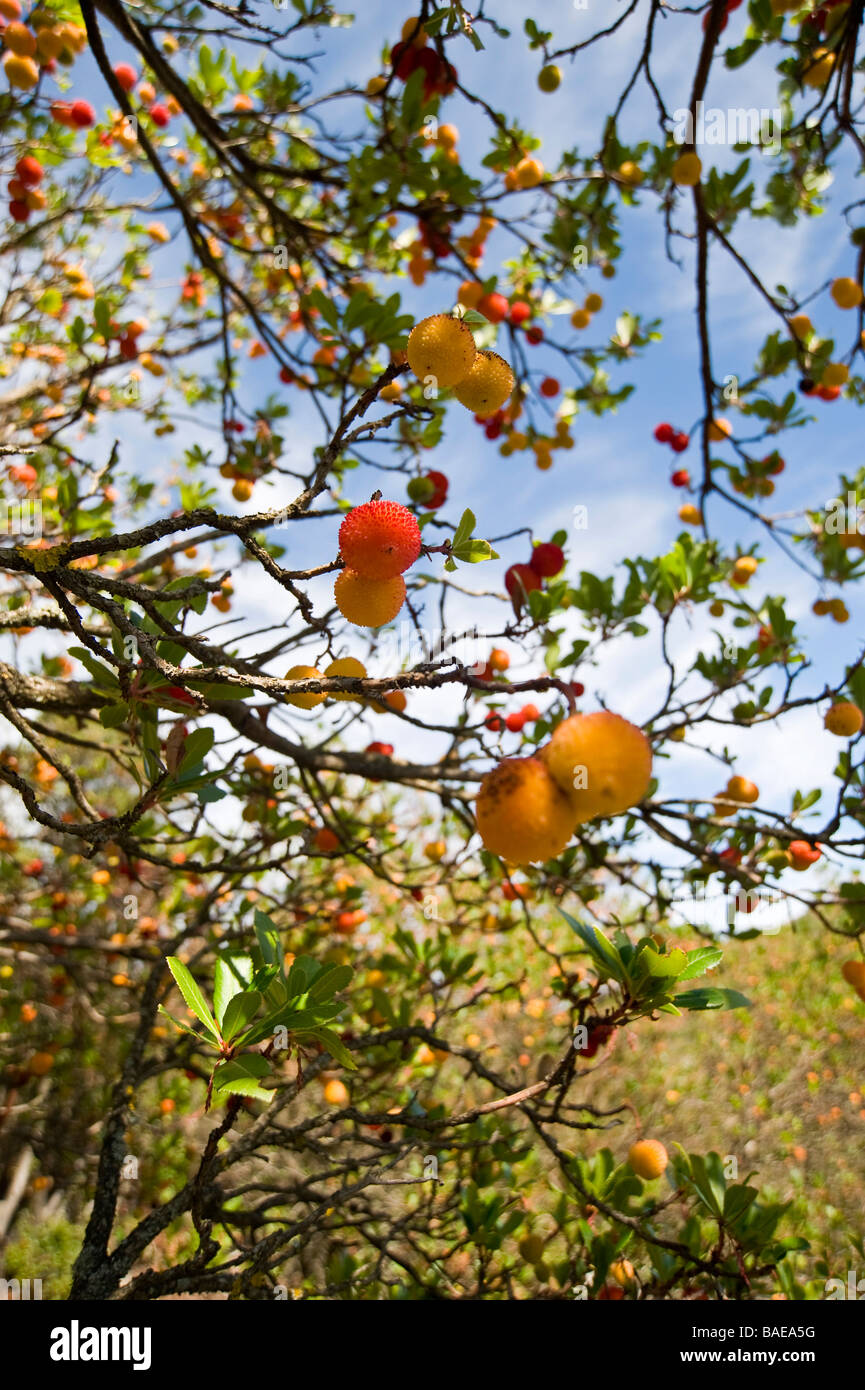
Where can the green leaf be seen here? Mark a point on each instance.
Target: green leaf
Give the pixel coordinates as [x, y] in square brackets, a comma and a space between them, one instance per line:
[704, 958]
[231, 975]
[112, 716]
[700, 999]
[199, 742]
[331, 979]
[240, 1012]
[192, 996]
[337, 1049]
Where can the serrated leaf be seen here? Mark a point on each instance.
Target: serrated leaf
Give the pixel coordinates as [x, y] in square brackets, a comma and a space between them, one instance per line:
[192, 996]
[240, 1012]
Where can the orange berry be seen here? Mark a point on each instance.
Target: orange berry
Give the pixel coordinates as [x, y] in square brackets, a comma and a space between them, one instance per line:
[442, 348]
[310, 699]
[487, 386]
[844, 719]
[521, 812]
[602, 763]
[166, 1106]
[648, 1158]
[336, 1092]
[368, 602]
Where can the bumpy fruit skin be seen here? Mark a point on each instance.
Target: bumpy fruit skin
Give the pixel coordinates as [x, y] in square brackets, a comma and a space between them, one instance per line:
[521, 813]
[379, 539]
[441, 347]
[844, 719]
[487, 386]
[368, 602]
[687, 170]
[345, 666]
[616, 756]
[648, 1158]
[310, 699]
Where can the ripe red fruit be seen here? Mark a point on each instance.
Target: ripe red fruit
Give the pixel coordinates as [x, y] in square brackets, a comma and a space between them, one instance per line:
[286, 375]
[384, 749]
[534, 335]
[828, 393]
[547, 559]
[730, 855]
[519, 581]
[493, 428]
[530, 713]
[379, 539]
[680, 442]
[159, 114]
[126, 76]
[664, 433]
[29, 170]
[493, 306]
[520, 311]
[514, 722]
[578, 688]
[680, 478]
[19, 212]
[81, 114]
[405, 59]
[439, 497]
[802, 855]
[493, 722]
[549, 386]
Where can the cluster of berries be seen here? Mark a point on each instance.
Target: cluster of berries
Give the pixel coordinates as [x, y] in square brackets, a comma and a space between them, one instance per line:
[546, 561]
[411, 55]
[378, 542]
[442, 354]
[25, 195]
[37, 46]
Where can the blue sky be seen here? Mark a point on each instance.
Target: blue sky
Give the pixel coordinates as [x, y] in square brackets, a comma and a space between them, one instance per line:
[616, 469]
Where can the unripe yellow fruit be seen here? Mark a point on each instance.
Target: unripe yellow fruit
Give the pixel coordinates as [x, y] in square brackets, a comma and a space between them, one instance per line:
[529, 173]
[687, 170]
[368, 602]
[834, 374]
[819, 68]
[20, 71]
[346, 666]
[838, 609]
[846, 293]
[740, 789]
[844, 719]
[375, 86]
[719, 429]
[487, 386]
[413, 32]
[802, 326]
[690, 515]
[602, 763]
[522, 814]
[593, 303]
[310, 698]
[549, 78]
[443, 348]
[531, 1248]
[623, 1272]
[630, 173]
[648, 1158]
[580, 318]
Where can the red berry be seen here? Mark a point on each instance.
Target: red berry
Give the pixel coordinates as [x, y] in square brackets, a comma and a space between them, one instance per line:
[534, 335]
[664, 433]
[286, 375]
[128, 347]
[680, 442]
[29, 170]
[405, 58]
[126, 76]
[493, 722]
[681, 478]
[547, 559]
[379, 539]
[515, 722]
[81, 114]
[493, 306]
[530, 713]
[19, 212]
[549, 386]
[578, 688]
[828, 393]
[493, 428]
[439, 497]
[730, 856]
[519, 581]
[520, 312]
[159, 114]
